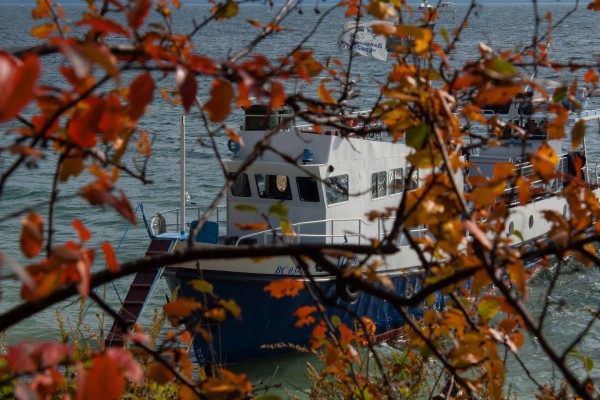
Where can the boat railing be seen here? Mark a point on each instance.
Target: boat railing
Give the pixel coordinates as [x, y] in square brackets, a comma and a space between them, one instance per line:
[334, 231]
[539, 188]
[170, 220]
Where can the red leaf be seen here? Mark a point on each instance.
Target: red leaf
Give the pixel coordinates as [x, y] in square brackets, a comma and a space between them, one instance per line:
[138, 12]
[104, 380]
[219, 105]
[17, 83]
[28, 356]
[187, 87]
[101, 24]
[133, 370]
[84, 126]
[84, 234]
[112, 264]
[141, 92]
[32, 235]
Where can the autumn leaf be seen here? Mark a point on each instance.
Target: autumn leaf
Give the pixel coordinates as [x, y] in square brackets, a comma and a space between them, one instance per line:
[255, 226]
[201, 285]
[544, 161]
[32, 235]
[138, 11]
[83, 232]
[43, 31]
[17, 83]
[304, 315]
[141, 92]
[577, 134]
[112, 264]
[422, 36]
[101, 24]
[594, 5]
[284, 287]
[277, 95]
[227, 10]
[232, 307]
[92, 383]
[488, 307]
[216, 313]
[180, 308]
[497, 95]
[219, 105]
[325, 95]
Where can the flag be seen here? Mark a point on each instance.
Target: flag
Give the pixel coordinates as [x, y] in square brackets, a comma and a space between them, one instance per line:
[366, 42]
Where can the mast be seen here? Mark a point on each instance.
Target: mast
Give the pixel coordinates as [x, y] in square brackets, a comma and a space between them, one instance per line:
[182, 174]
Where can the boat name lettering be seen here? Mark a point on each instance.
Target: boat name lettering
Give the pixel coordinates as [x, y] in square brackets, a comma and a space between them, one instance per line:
[285, 270]
[342, 261]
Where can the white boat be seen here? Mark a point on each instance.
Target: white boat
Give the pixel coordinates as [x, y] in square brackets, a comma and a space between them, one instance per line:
[337, 179]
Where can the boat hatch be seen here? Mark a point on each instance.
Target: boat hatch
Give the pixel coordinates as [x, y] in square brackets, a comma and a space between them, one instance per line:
[258, 117]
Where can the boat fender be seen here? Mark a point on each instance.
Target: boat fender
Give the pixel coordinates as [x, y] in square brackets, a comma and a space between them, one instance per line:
[346, 291]
[233, 146]
[161, 224]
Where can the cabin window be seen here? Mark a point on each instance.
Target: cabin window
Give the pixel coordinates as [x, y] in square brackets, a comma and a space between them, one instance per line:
[308, 190]
[396, 181]
[378, 185]
[273, 187]
[241, 187]
[336, 189]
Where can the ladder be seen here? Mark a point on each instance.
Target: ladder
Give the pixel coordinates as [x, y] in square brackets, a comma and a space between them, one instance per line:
[139, 292]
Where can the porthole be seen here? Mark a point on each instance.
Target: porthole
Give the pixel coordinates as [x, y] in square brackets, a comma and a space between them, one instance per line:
[511, 227]
[531, 221]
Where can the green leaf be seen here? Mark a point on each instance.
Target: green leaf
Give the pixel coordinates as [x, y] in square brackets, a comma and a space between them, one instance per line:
[201, 285]
[246, 208]
[589, 364]
[228, 10]
[488, 307]
[500, 69]
[279, 210]
[577, 134]
[416, 136]
[518, 234]
[336, 321]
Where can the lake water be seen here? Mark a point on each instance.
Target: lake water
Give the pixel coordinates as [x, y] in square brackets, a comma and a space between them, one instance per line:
[505, 26]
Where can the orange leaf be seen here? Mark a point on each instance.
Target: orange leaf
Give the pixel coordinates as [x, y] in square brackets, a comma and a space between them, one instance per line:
[249, 227]
[277, 95]
[141, 92]
[284, 287]
[71, 166]
[84, 234]
[17, 83]
[325, 95]
[318, 335]
[181, 307]
[254, 23]
[43, 31]
[221, 94]
[32, 235]
[217, 313]
[143, 145]
[112, 264]
[137, 12]
[497, 95]
[304, 316]
[544, 161]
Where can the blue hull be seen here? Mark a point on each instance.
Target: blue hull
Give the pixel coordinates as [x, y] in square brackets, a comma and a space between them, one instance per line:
[267, 321]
